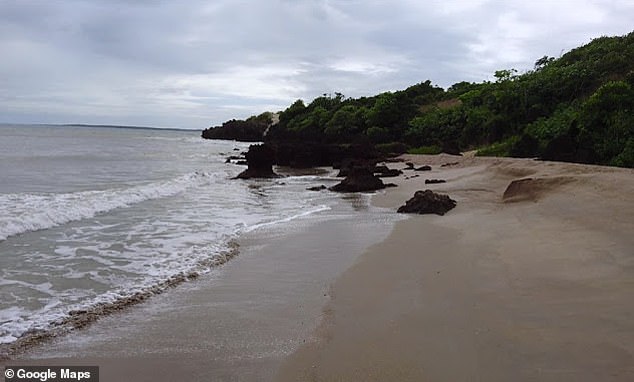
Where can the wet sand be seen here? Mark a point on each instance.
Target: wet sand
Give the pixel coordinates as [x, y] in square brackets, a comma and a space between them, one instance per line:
[239, 322]
[534, 286]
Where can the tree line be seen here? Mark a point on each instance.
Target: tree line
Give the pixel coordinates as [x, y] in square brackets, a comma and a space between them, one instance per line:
[578, 107]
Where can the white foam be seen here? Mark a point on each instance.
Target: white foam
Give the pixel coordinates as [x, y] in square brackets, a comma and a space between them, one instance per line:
[112, 258]
[20, 213]
[287, 219]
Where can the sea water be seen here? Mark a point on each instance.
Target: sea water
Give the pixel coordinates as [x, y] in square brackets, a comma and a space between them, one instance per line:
[91, 215]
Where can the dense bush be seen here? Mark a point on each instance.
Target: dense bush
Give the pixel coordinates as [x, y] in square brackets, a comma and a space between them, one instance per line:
[579, 107]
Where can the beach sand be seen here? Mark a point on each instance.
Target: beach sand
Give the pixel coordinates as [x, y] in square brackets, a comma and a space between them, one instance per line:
[537, 286]
[238, 323]
[534, 286]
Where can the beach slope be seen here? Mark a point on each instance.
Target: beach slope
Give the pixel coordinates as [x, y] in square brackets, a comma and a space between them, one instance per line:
[529, 278]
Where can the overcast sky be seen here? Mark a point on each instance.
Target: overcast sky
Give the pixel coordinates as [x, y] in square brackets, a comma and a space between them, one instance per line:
[193, 64]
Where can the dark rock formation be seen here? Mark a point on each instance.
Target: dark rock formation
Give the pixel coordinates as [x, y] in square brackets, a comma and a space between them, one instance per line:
[451, 148]
[313, 154]
[359, 179]
[423, 168]
[385, 172]
[317, 188]
[260, 160]
[347, 164]
[235, 159]
[434, 181]
[428, 202]
[301, 155]
[410, 165]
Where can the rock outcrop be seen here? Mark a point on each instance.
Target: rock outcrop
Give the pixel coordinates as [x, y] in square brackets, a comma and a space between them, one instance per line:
[428, 202]
[260, 160]
[359, 179]
[386, 172]
[314, 154]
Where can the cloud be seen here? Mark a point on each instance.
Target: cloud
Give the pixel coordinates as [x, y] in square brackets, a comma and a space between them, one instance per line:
[198, 63]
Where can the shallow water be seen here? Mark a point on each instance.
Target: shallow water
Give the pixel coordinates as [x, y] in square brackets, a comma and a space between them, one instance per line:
[90, 215]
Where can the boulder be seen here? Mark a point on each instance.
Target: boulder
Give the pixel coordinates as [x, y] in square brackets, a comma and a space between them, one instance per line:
[317, 188]
[359, 179]
[410, 165]
[347, 164]
[423, 168]
[434, 181]
[385, 172]
[428, 202]
[260, 161]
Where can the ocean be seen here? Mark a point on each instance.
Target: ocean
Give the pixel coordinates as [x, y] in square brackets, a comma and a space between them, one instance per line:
[93, 215]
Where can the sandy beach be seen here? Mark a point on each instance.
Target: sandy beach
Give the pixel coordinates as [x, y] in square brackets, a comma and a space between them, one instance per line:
[535, 284]
[237, 323]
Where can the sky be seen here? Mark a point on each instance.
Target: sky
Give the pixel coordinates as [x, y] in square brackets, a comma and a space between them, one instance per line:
[194, 64]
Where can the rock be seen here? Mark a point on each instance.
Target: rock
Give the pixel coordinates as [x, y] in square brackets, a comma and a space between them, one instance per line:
[449, 164]
[385, 172]
[410, 165]
[317, 188]
[428, 202]
[423, 168]
[434, 181]
[390, 185]
[451, 148]
[359, 179]
[234, 158]
[349, 163]
[303, 154]
[242, 163]
[260, 161]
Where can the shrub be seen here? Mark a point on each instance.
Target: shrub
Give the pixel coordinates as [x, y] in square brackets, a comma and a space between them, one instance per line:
[428, 150]
[500, 149]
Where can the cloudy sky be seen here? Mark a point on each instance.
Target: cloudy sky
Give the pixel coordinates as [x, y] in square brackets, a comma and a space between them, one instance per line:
[193, 64]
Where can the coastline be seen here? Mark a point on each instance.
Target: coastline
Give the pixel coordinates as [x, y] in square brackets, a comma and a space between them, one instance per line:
[537, 287]
[238, 322]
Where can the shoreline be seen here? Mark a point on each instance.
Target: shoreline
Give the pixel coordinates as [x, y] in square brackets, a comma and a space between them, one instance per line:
[535, 287]
[241, 320]
[78, 319]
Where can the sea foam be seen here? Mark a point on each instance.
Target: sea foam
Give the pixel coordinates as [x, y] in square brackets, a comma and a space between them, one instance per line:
[20, 213]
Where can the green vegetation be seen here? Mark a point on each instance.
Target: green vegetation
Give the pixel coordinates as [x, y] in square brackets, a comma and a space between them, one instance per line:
[428, 150]
[498, 149]
[579, 107]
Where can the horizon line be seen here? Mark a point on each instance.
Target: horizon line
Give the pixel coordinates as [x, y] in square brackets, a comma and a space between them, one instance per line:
[102, 125]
